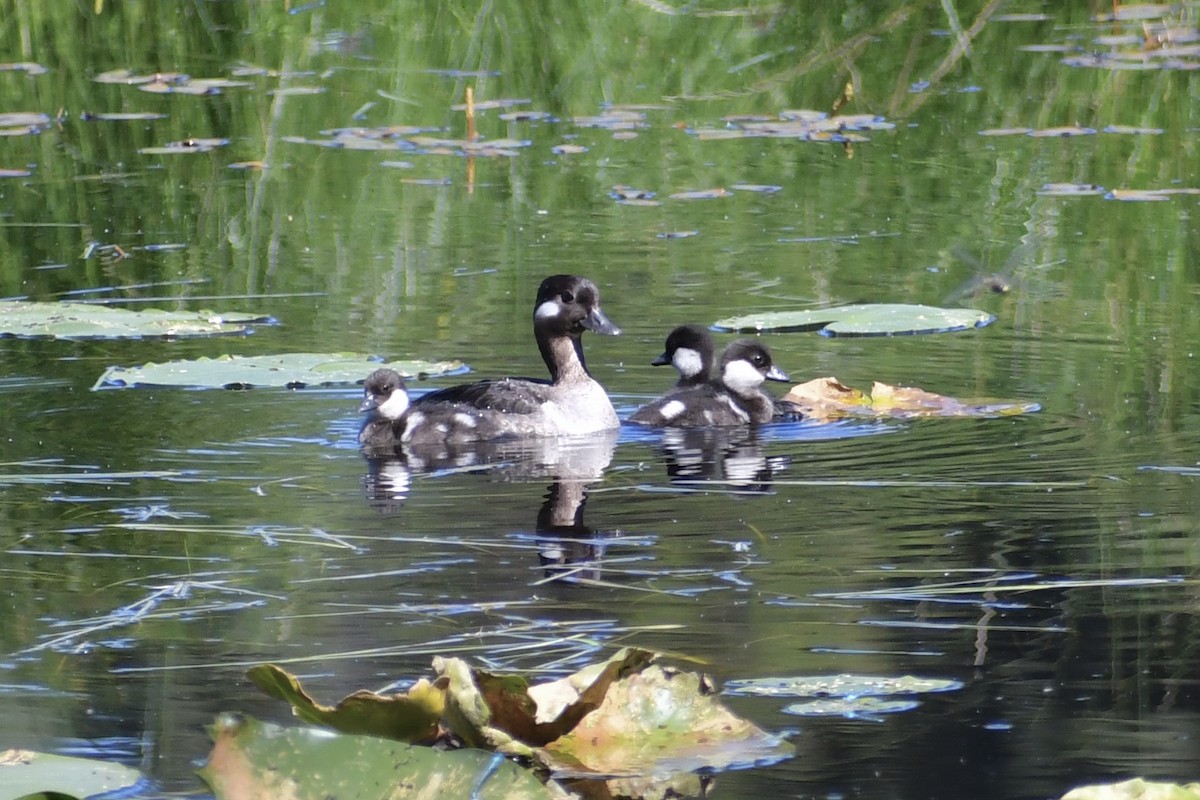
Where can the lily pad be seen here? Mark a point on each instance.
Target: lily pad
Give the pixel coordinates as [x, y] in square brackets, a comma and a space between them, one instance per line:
[1136, 789]
[849, 707]
[410, 717]
[661, 722]
[256, 759]
[825, 399]
[27, 319]
[873, 319]
[286, 370]
[25, 773]
[843, 685]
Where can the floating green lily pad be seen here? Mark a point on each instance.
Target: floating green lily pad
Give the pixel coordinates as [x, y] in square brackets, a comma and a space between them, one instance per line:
[844, 685]
[874, 319]
[29, 319]
[850, 707]
[256, 759]
[287, 370]
[24, 773]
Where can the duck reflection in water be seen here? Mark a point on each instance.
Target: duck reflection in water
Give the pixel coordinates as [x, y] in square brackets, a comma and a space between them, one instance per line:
[705, 458]
[568, 549]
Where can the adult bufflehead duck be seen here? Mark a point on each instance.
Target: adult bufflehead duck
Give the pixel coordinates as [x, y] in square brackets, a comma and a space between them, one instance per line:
[570, 403]
[385, 402]
[734, 398]
[690, 350]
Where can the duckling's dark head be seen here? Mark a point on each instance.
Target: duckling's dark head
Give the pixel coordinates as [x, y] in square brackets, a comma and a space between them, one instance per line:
[384, 393]
[746, 363]
[568, 304]
[689, 349]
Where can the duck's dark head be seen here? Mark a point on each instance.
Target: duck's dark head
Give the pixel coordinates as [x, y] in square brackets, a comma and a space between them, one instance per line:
[567, 304]
[746, 363]
[690, 350]
[384, 393]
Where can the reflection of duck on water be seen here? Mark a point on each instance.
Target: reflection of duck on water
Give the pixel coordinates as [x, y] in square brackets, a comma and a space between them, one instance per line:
[568, 549]
[730, 457]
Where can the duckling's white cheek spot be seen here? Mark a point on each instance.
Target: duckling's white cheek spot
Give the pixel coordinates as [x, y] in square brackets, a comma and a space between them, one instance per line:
[687, 361]
[546, 310]
[672, 409]
[741, 375]
[395, 406]
[465, 420]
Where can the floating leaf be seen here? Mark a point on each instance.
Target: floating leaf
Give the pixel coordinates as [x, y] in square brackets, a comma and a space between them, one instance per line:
[506, 713]
[185, 146]
[255, 759]
[290, 370]
[1136, 789]
[129, 116]
[28, 67]
[525, 116]
[24, 773]
[1149, 195]
[843, 685]
[177, 84]
[874, 319]
[1071, 189]
[1132, 130]
[758, 188]
[291, 91]
[850, 707]
[702, 194]
[1006, 132]
[1064, 131]
[27, 319]
[614, 120]
[487, 105]
[410, 717]
[824, 399]
[656, 722]
[623, 192]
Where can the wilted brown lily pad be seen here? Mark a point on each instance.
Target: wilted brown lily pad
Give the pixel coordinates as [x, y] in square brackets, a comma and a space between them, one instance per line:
[505, 713]
[661, 722]
[1136, 789]
[824, 399]
[409, 717]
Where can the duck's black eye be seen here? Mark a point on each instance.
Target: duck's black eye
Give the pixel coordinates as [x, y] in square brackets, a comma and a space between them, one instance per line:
[567, 297]
[760, 360]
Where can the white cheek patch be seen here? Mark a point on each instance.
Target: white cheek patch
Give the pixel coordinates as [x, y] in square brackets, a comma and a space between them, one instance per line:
[395, 406]
[546, 310]
[465, 420]
[672, 409]
[687, 361]
[741, 376]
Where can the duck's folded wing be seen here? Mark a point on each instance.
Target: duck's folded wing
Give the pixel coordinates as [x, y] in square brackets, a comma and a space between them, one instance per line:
[507, 396]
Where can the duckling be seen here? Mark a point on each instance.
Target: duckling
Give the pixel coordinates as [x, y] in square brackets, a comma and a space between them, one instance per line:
[734, 398]
[385, 402]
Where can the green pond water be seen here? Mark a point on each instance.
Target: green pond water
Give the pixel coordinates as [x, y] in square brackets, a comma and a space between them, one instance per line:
[157, 542]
